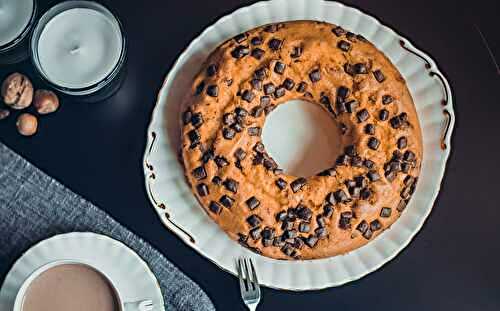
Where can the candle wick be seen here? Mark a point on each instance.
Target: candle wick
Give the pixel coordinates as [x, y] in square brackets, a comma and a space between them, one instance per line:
[74, 50]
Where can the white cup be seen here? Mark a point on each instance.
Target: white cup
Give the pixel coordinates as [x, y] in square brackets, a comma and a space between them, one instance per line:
[18, 304]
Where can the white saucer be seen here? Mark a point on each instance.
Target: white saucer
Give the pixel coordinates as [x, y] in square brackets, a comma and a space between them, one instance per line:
[129, 273]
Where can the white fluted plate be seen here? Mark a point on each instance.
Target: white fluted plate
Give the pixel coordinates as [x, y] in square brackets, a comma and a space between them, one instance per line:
[128, 272]
[181, 213]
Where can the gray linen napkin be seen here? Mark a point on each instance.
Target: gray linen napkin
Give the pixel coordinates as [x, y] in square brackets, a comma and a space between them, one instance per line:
[34, 206]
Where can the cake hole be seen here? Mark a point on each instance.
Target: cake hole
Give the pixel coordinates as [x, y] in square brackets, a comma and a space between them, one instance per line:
[302, 138]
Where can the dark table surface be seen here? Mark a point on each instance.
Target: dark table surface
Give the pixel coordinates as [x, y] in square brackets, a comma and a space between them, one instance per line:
[452, 264]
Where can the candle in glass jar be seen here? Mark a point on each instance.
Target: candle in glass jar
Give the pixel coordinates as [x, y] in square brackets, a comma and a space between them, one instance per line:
[77, 45]
[15, 16]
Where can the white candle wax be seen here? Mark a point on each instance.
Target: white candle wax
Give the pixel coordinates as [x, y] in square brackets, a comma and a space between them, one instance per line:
[79, 47]
[15, 16]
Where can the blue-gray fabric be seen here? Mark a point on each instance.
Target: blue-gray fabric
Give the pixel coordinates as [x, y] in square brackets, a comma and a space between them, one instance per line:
[33, 207]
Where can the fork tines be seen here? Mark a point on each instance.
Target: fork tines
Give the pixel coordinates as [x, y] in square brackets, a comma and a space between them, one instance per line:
[249, 283]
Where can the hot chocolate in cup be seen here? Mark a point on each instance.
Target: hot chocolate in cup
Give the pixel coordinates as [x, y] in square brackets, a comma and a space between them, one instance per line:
[68, 285]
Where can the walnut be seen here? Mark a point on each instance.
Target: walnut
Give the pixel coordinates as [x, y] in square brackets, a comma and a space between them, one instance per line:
[17, 91]
[4, 114]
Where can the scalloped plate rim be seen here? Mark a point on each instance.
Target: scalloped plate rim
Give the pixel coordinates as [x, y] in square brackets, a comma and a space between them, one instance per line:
[442, 169]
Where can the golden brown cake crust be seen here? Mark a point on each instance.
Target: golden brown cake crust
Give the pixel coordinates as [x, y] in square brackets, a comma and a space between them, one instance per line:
[240, 186]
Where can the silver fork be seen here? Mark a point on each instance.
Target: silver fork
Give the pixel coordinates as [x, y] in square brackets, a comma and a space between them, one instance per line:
[141, 305]
[249, 284]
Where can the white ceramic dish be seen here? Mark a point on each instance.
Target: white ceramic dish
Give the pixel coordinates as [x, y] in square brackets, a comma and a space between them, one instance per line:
[181, 213]
[125, 269]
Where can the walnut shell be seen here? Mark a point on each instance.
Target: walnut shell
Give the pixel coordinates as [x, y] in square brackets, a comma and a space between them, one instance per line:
[4, 114]
[17, 91]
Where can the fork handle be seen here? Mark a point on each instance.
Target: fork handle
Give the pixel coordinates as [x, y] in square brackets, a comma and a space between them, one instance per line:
[252, 307]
